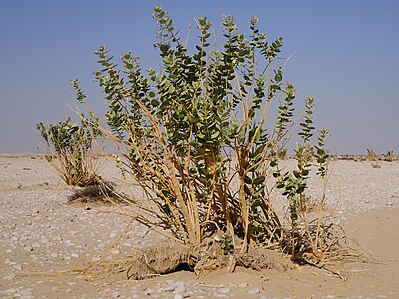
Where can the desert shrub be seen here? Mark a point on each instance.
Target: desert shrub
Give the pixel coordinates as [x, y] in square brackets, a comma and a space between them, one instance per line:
[307, 235]
[371, 155]
[194, 135]
[70, 151]
[389, 156]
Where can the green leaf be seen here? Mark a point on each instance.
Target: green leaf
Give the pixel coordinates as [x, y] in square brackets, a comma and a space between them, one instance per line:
[259, 150]
[259, 180]
[247, 179]
[296, 173]
[215, 135]
[247, 191]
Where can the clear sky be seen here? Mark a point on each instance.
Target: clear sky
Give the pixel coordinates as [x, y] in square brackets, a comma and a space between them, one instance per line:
[345, 55]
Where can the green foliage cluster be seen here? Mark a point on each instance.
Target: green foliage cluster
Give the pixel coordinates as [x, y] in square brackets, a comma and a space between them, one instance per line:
[181, 127]
[194, 134]
[70, 151]
[227, 243]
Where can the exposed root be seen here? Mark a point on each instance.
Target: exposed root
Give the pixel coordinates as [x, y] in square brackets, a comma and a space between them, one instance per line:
[102, 192]
[169, 256]
[253, 259]
[321, 245]
[164, 258]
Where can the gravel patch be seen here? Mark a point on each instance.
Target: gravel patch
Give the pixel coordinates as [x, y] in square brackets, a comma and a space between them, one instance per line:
[40, 234]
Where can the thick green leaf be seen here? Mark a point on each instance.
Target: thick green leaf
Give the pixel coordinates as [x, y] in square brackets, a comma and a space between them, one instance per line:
[259, 180]
[247, 190]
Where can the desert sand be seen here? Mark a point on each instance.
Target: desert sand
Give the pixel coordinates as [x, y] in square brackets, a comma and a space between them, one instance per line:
[44, 241]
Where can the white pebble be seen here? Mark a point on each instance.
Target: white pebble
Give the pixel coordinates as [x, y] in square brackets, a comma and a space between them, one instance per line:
[253, 291]
[180, 288]
[9, 276]
[224, 290]
[17, 267]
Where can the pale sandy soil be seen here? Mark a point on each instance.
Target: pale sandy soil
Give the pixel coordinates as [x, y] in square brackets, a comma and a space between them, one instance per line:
[42, 239]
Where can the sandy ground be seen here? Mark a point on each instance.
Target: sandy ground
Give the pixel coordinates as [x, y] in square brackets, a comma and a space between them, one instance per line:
[43, 239]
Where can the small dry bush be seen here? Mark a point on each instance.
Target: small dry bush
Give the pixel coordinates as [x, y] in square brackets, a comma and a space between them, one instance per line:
[70, 151]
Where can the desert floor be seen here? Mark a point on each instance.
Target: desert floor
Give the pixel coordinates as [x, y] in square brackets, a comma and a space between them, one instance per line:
[44, 240]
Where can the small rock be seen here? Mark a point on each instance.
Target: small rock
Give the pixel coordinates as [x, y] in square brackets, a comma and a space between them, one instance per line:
[9, 276]
[254, 291]
[187, 294]
[178, 296]
[43, 239]
[28, 248]
[180, 287]
[26, 295]
[69, 243]
[17, 267]
[10, 291]
[101, 246]
[163, 284]
[169, 288]
[224, 290]
[243, 285]
[115, 251]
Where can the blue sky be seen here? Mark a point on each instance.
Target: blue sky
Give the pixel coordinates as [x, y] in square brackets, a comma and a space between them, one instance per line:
[345, 55]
